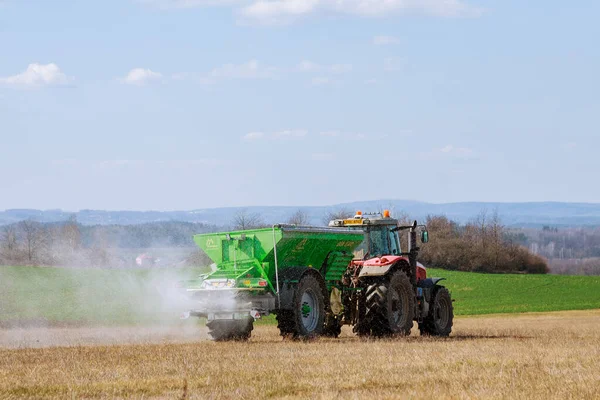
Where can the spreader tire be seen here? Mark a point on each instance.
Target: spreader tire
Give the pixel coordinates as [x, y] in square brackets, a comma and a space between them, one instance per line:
[441, 314]
[221, 330]
[307, 316]
[285, 323]
[332, 327]
[389, 307]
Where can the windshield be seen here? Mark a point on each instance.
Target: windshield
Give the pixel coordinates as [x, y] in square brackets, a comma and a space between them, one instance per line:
[376, 243]
[379, 241]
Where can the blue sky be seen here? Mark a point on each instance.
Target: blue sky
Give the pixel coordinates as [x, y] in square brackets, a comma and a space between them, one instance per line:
[184, 104]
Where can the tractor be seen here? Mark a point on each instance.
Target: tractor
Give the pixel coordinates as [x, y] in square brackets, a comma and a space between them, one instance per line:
[316, 279]
[385, 289]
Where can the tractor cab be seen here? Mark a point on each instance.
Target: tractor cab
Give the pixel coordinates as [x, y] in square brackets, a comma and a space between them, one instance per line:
[382, 234]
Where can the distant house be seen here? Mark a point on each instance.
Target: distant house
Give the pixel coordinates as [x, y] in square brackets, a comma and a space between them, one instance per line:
[146, 260]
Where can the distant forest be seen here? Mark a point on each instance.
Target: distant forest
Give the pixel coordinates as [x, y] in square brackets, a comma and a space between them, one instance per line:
[482, 245]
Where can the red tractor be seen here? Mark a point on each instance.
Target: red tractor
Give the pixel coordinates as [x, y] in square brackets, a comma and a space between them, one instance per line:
[384, 288]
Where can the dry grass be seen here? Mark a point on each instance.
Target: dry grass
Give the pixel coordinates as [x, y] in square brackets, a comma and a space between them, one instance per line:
[555, 355]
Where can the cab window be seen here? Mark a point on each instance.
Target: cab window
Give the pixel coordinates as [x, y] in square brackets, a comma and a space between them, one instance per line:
[379, 242]
[394, 245]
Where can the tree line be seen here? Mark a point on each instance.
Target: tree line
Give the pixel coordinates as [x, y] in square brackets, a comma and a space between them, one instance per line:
[483, 245]
[69, 243]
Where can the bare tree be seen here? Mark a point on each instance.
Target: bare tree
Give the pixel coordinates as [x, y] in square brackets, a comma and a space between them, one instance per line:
[34, 236]
[340, 213]
[70, 234]
[481, 224]
[496, 233]
[9, 238]
[243, 220]
[300, 217]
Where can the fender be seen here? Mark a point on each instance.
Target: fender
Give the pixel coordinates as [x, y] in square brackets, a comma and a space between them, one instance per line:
[425, 289]
[429, 282]
[288, 280]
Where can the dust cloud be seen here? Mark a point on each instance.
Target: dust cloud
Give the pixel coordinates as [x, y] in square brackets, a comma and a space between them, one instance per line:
[51, 306]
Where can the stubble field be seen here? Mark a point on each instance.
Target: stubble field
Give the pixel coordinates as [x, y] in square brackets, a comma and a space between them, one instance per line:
[538, 356]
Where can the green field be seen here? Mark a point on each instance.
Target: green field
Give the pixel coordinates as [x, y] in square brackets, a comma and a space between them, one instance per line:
[476, 293]
[77, 295]
[67, 295]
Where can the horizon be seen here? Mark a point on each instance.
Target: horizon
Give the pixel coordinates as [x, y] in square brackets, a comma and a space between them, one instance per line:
[338, 205]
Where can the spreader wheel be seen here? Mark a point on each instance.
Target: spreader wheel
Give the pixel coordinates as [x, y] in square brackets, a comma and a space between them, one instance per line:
[441, 314]
[221, 330]
[306, 318]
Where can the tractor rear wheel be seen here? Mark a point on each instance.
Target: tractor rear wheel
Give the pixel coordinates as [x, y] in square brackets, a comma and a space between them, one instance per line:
[307, 316]
[389, 307]
[221, 330]
[441, 314]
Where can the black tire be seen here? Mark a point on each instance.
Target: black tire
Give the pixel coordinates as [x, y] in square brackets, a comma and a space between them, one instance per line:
[441, 314]
[306, 318]
[285, 323]
[221, 330]
[389, 307]
[333, 327]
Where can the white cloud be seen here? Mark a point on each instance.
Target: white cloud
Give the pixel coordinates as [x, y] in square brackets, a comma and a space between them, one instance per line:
[166, 4]
[391, 64]
[284, 11]
[371, 81]
[141, 76]
[320, 80]
[347, 135]
[385, 40]
[108, 165]
[340, 68]
[309, 66]
[180, 76]
[249, 70]
[285, 134]
[37, 75]
[253, 136]
[112, 164]
[306, 65]
[291, 133]
[450, 149]
[276, 12]
[279, 11]
[449, 152]
[324, 71]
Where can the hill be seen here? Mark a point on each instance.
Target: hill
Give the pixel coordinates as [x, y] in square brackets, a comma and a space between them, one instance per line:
[534, 214]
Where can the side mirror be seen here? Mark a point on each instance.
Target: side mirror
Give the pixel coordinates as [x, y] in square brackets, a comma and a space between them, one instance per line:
[424, 236]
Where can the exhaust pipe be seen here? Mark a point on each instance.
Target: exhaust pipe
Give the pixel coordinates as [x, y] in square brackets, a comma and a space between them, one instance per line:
[413, 250]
